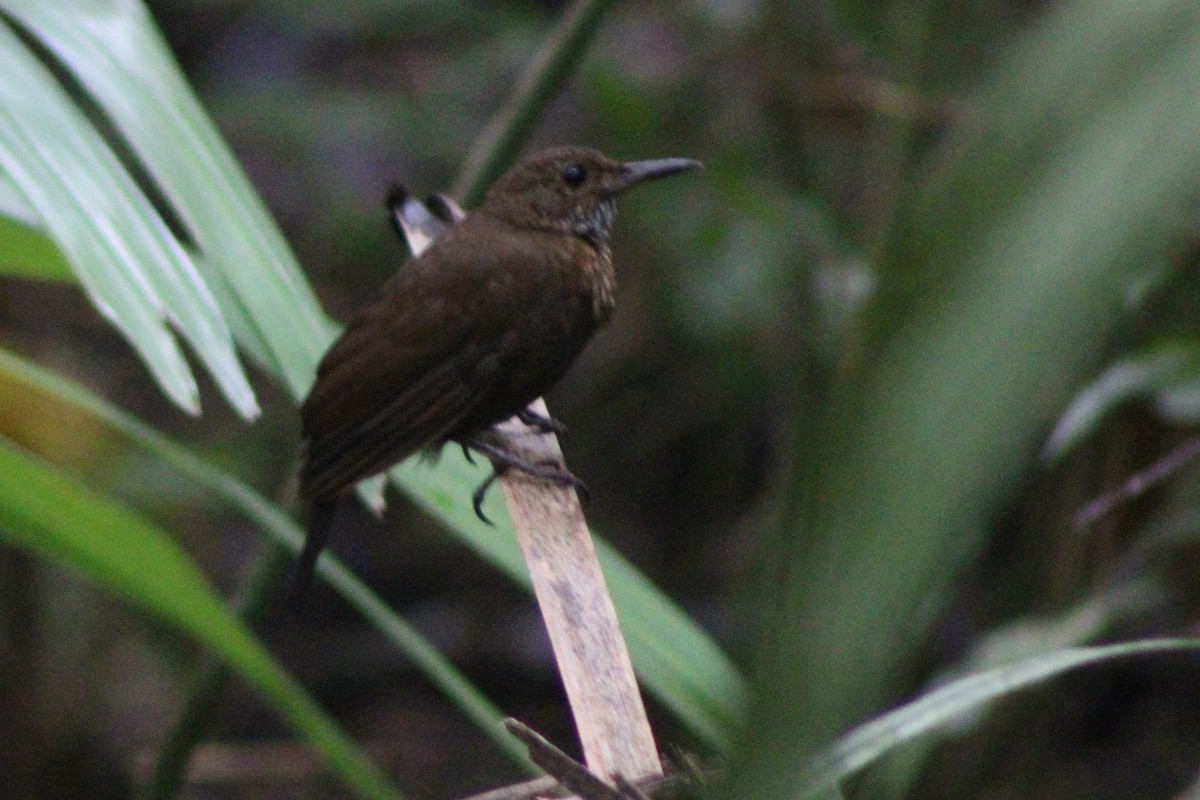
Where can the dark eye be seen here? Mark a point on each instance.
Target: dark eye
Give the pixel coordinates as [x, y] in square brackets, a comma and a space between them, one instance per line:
[574, 175]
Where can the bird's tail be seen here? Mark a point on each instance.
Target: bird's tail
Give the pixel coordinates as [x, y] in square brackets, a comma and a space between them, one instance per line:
[320, 521]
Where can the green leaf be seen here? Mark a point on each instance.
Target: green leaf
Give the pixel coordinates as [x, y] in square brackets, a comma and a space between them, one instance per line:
[127, 259]
[26, 252]
[1137, 375]
[948, 704]
[25, 249]
[1061, 186]
[44, 512]
[266, 515]
[117, 54]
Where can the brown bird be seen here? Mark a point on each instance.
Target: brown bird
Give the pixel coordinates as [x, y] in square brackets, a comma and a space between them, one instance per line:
[474, 329]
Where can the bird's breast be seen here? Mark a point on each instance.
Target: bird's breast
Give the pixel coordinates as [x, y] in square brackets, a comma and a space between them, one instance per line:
[596, 282]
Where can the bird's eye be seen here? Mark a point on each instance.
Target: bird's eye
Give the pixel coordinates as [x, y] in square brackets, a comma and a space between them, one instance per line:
[574, 175]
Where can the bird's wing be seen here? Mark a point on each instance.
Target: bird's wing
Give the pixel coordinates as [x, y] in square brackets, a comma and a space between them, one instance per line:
[413, 365]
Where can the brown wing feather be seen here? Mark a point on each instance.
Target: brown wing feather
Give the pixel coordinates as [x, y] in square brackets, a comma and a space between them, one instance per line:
[371, 445]
[424, 360]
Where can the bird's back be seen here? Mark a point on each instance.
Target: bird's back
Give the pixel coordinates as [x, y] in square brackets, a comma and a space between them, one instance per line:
[466, 335]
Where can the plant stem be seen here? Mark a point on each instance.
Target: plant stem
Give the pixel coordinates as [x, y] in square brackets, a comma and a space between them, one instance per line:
[212, 677]
[558, 56]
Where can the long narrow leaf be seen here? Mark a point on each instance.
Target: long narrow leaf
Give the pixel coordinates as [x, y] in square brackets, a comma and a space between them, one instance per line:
[942, 706]
[1060, 188]
[116, 52]
[26, 252]
[25, 249]
[1138, 374]
[127, 259]
[47, 514]
[469, 699]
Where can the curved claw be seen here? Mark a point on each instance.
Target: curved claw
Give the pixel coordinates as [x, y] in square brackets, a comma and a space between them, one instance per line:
[479, 494]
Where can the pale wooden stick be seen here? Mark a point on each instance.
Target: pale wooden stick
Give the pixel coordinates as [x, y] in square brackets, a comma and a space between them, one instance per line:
[571, 775]
[579, 614]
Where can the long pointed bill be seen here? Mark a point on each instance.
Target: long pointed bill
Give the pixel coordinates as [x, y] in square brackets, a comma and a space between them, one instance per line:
[635, 172]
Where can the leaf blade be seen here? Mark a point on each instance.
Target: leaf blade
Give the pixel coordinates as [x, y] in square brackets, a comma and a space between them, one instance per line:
[116, 52]
[942, 706]
[130, 264]
[57, 519]
[268, 516]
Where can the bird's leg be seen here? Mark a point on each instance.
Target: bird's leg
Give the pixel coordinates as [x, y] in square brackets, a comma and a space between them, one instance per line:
[503, 460]
[542, 423]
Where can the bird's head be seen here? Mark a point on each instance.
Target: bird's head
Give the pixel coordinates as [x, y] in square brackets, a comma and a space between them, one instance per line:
[572, 190]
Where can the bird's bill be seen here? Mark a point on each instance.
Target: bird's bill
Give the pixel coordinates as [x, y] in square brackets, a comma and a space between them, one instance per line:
[635, 172]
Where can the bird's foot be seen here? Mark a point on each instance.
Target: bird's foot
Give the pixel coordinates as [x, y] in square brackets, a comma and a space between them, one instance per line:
[503, 460]
[540, 421]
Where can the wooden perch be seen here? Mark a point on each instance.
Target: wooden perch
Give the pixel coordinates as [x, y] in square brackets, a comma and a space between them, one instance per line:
[588, 646]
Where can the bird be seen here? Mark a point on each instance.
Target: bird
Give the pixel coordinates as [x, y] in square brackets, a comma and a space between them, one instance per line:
[473, 329]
